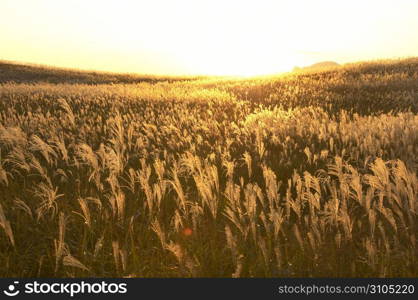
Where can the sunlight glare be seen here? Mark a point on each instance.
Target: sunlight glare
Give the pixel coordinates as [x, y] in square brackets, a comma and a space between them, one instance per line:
[204, 37]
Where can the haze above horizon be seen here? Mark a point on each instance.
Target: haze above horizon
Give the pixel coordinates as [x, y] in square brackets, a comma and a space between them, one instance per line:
[183, 37]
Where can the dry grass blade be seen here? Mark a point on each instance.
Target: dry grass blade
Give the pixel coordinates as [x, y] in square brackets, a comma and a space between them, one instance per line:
[6, 226]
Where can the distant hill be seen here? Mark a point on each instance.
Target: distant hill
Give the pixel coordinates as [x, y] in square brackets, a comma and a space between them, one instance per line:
[25, 73]
[318, 66]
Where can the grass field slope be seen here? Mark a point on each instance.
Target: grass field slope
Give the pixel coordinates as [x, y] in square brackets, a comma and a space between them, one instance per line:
[301, 174]
[25, 73]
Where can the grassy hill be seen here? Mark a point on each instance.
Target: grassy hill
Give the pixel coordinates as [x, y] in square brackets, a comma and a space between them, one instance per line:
[297, 175]
[318, 66]
[21, 73]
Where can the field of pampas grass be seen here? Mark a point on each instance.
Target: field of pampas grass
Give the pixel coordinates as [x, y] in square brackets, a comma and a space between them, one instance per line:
[299, 175]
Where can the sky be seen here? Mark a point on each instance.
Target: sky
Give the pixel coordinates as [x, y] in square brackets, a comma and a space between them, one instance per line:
[219, 37]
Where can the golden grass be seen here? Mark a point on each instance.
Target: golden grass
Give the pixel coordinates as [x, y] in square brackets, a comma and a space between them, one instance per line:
[310, 174]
